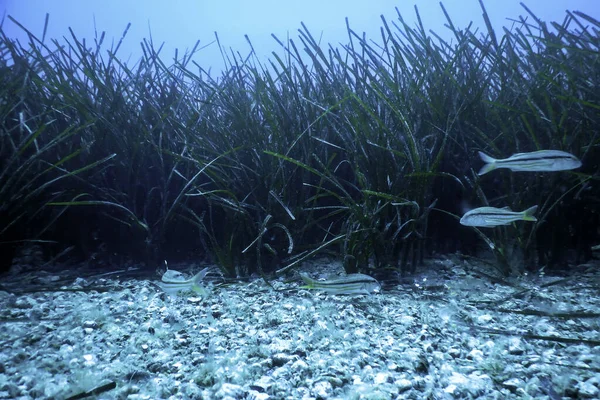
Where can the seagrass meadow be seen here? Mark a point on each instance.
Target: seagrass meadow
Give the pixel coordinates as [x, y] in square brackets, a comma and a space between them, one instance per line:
[365, 152]
[360, 162]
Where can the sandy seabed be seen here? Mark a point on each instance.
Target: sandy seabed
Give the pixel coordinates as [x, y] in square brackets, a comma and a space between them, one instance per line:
[446, 334]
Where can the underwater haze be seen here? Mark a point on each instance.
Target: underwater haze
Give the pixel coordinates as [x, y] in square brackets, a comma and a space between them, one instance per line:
[180, 24]
[402, 206]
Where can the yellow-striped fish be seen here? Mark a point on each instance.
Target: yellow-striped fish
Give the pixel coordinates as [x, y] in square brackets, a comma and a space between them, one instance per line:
[537, 161]
[174, 282]
[488, 217]
[349, 284]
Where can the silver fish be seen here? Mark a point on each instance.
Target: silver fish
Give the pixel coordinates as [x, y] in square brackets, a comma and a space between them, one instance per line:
[349, 284]
[543, 160]
[488, 217]
[173, 282]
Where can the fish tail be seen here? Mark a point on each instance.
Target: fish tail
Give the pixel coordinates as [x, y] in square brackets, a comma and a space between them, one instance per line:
[200, 276]
[490, 163]
[196, 286]
[310, 283]
[528, 214]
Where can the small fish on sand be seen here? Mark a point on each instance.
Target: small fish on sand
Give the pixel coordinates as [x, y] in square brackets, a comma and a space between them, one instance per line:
[537, 161]
[173, 282]
[488, 217]
[349, 284]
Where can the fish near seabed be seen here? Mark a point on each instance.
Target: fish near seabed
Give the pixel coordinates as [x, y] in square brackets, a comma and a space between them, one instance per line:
[488, 217]
[537, 161]
[173, 282]
[349, 284]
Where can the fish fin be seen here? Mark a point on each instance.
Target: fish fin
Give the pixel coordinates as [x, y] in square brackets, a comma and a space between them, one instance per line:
[528, 214]
[490, 163]
[200, 276]
[201, 290]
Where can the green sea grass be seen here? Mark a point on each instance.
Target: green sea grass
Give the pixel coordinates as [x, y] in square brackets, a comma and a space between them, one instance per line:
[366, 151]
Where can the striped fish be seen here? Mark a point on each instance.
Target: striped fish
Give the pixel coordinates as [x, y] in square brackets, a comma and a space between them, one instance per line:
[349, 284]
[543, 160]
[173, 282]
[488, 217]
